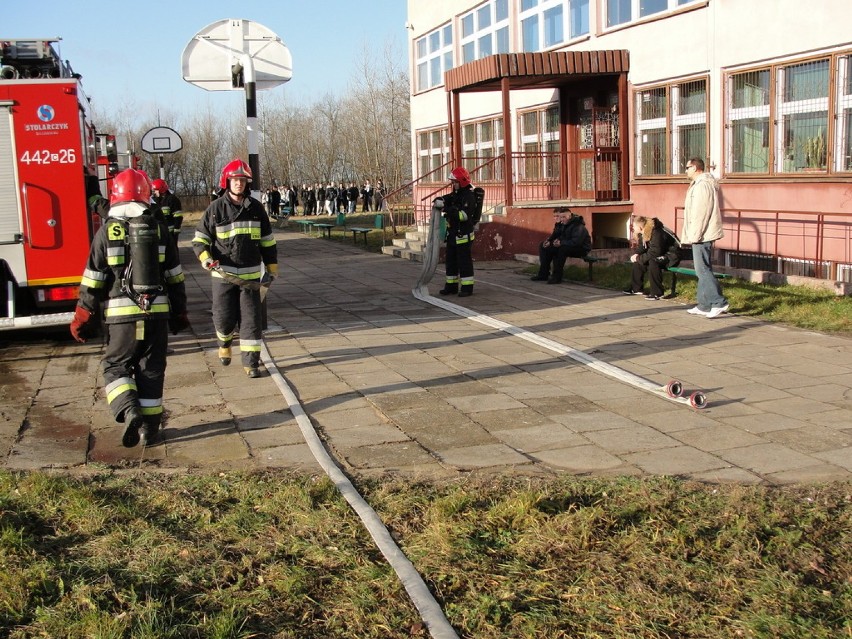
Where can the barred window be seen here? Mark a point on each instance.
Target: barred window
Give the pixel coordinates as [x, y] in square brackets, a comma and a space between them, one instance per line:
[481, 142]
[671, 127]
[539, 134]
[796, 140]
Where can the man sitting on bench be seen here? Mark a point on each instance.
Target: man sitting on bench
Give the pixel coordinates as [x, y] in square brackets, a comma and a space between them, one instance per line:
[569, 238]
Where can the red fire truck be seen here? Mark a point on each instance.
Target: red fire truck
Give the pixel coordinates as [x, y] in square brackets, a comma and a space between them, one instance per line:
[48, 169]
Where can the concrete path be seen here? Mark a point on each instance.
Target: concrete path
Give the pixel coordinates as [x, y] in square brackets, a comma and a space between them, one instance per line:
[396, 385]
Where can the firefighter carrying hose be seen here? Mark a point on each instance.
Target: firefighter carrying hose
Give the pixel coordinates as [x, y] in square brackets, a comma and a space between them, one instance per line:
[169, 204]
[234, 241]
[134, 277]
[460, 209]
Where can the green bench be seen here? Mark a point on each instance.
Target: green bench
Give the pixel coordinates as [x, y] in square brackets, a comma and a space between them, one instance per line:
[590, 260]
[305, 225]
[324, 228]
[680, 270]
[378, 223]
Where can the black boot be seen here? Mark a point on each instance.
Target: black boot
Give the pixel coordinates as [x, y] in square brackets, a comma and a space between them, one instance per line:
[132, 423]
[449, 289]
[466, 290]
[149, 434]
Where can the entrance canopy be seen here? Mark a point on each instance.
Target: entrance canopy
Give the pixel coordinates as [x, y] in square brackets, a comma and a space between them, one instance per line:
[535, 70]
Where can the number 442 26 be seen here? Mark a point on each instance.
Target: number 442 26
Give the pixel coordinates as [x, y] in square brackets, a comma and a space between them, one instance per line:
[43, 156]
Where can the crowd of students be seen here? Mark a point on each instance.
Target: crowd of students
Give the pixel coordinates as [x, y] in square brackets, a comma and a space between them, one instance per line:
[329, 199]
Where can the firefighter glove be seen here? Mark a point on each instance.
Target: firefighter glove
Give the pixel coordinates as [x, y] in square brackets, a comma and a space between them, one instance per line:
[438, 203]
[178, 323]
[80, 324]
[209, 263]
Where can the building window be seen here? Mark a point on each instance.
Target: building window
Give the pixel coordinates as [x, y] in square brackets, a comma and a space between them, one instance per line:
[485, 31]
[539, 136]
[482, 142]
[433, 154]
[620, 12]
[544, 23]
[671, 127]
[777, 118]
[434, 57]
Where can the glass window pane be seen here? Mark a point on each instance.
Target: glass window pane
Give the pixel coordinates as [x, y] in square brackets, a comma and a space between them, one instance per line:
[436, 139]
[529, 123]
[692, 143]
[467, 25]
[469, 52]
[617, 12]
[692, 98]
[423, 141]
[485, 46]
[750, 145]
[804, 141]
[501, 10]
[750, 89]
[653, 157]
[448, 35]
[529, 34]
[846, 162]
[653, 104]
[421, 48]
[553, 26]
[448, 61]
[483, 17]
[468, 134]
[847, 84]
[649, 7]
[551, 120]
[434, 41]
[502, 37]
[528, 4]
[425, 165]
[435, 71]
[486, 131]
[422, 76]
[806, 81]
[579, 17]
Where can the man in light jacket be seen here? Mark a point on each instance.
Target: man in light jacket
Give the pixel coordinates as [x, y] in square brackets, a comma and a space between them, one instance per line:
[702, 225]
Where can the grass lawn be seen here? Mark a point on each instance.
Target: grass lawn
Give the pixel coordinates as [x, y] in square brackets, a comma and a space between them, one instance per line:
[277, 555]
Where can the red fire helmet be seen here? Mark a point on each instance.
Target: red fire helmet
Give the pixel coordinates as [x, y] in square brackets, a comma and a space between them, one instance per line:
[130, 186]
[461, 175]
[160, 185]
[234, 168]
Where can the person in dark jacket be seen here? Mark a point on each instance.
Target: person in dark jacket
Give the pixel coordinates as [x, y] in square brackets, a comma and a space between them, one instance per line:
[134, 278]
[656, 249]
[169, 204]
[234, 241]
[458, 208]
[569, 238]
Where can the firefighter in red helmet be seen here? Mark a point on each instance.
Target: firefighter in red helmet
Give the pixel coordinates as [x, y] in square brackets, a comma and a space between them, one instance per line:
[141, 298]
[234, 241]
[169, 204]
[458, 209]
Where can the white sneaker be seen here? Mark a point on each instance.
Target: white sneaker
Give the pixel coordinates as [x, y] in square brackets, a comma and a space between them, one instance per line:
[697, 311]
[717, 311]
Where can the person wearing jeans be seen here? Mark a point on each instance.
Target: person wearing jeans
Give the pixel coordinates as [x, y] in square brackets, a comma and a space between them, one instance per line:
[702, 225]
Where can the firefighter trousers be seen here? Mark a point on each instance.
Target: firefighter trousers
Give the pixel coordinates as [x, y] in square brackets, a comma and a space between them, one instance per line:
[233, 306]
[135, 368]
[459, 267]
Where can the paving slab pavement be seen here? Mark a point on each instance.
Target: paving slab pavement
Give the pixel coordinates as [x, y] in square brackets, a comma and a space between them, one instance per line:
[394, 384]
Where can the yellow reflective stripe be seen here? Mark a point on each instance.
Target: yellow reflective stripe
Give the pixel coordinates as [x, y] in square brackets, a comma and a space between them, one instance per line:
[201, 238]
[89, 283]
[119, 386]
[452, 279]
[224, 338]
[249, 346]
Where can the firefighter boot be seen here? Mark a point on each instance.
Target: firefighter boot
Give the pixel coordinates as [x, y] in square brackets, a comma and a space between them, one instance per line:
[450, 289]
[252, 371]
[149, 433]
[225, 355]
[132, 423]
[466, 290]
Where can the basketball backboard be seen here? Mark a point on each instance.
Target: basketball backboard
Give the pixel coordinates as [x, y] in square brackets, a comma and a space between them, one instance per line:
[214, 56]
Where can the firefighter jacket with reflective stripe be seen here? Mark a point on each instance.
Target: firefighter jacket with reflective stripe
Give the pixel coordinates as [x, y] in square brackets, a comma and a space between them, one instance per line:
[109, 257]
[169, 204]
[458, 209]
[238, 236]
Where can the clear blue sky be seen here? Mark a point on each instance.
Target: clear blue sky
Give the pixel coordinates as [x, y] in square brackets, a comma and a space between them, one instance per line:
[130, 52]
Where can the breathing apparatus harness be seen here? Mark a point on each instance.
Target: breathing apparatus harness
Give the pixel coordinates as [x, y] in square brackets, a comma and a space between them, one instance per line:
[141, 280]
